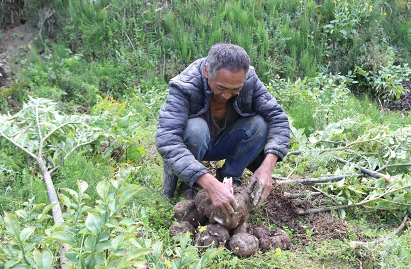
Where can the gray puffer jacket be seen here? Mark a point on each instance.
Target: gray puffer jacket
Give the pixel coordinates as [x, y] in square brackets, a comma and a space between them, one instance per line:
[189, 97]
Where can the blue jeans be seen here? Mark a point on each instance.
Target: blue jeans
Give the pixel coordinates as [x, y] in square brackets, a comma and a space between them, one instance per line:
[241, 145]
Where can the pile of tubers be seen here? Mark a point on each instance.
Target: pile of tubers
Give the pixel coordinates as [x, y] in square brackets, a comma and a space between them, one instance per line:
[210, 225]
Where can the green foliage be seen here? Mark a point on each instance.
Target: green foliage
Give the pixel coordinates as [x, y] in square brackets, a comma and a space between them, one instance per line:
[364, 145]
[68, 77]
[386, 82]
[80, 166]
[99, 236]
[61, 133]
[293, 38]
[112, 59]
[310, 101]
[395, 252]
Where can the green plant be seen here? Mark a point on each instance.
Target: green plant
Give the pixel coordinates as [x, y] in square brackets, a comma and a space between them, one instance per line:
[395, 252]
[99, 236]
[31, 129]
[386, 82]
[311, 100]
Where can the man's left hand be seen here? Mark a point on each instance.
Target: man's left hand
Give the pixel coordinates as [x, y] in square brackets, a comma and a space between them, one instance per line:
[261, 181]
[261, 184]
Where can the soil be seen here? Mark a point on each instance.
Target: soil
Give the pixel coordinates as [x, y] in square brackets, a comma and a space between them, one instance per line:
[17, 37]
[404, 103]
[281, 211]
[278, 212]
[272, 239]
[12, 40]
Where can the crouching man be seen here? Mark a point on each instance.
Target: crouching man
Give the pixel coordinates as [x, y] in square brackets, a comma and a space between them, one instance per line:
[218, 108]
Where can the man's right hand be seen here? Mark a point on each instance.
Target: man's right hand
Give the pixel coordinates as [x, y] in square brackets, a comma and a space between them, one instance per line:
[219, 193]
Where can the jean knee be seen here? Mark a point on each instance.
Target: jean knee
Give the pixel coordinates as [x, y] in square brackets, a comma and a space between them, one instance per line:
[196, 131]
[259, 126]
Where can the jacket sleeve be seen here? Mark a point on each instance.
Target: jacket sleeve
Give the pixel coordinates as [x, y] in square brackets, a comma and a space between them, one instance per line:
[278, 137]
[170, 137]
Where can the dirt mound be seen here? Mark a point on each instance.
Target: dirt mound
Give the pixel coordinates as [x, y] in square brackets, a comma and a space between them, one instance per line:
[17, 37]
[404, 104]
[13, 41]
[281, 211]
[317, 227]
[325, 227]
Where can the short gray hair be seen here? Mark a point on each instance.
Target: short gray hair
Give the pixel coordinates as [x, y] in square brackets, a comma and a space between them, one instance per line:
[224, 55]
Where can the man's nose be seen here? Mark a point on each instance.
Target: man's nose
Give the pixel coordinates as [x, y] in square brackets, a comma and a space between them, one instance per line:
[226, 95]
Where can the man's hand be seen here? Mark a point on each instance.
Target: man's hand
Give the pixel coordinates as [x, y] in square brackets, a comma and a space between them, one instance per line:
[219, 193]
[261, 181]
[261, 184]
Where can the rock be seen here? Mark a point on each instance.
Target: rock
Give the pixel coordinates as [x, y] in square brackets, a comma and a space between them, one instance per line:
[213, 233]
[181, 228]
[187, 211]
[240, 229]
[243, 244]
[272, 239]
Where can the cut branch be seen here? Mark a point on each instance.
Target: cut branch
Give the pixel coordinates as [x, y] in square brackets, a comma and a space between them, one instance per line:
[349, 145]
[358, 244]
[367, 172]
[309, 181]
[363, 202]
[59, 127]
[394, 165]
[18, 146]
[288, 195]
[39, 130]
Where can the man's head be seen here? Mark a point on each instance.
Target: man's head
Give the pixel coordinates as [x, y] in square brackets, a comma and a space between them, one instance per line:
[226, 67]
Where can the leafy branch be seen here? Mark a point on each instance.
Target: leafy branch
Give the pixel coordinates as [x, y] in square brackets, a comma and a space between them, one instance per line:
[363, 202]
[46, 109]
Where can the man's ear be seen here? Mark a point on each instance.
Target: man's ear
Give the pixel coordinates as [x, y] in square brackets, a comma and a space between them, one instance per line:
[205, 71]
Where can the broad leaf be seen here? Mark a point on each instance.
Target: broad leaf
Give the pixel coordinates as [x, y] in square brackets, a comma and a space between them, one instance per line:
[82, 185]
[129, 191]
[90, 242]
[63, 237]
[102, 246]
[26, 233]
[12, 225]
[103, 187]
[43, 259]
[95, 223]
[136, 254]
[46, 209]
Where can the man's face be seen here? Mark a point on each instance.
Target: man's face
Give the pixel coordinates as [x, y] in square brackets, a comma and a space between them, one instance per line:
[226, 84]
